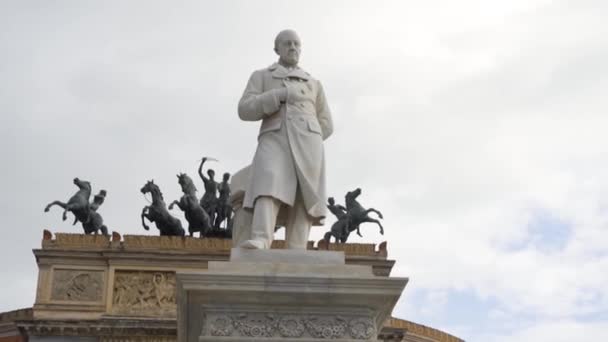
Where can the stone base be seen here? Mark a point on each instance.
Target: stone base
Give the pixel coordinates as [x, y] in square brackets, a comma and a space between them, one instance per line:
[270, 295]
[286, 256]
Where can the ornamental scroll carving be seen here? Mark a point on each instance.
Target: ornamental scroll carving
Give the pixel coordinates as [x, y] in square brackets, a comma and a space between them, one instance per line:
[265, 325]
[144, 293]
[77, 285]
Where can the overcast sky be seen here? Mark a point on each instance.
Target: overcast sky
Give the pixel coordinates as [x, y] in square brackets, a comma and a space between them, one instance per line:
[477, 127]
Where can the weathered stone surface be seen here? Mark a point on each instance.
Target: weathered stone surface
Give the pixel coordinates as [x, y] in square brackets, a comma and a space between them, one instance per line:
[144, 293]
[58, 314]
[175, 243]
[77, 285]
[76, 241]
[284, 301]
[283, 325]
[238, 255]
[138, 339]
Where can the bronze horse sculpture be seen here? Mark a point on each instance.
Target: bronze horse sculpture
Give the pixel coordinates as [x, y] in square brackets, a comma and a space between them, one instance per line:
[157, 212]
[84, 212]
[350, 218]
[197, 217]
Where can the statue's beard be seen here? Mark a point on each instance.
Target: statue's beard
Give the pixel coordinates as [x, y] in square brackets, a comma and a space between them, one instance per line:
[291, 59]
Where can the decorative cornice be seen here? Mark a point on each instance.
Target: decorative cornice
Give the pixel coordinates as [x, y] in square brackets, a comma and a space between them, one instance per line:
[14, 315]
[116, 242]
[117, 329]
[119, 326]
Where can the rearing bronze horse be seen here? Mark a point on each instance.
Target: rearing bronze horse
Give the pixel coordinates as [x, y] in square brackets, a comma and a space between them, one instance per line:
[358, 214]
[84, 212]
[350, 218]
[158, 213]
[197, 217]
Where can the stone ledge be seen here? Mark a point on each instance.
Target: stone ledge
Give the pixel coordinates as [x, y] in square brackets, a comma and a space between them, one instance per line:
[116, 242]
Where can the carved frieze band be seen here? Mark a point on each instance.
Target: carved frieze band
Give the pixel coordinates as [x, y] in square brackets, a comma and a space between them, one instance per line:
[138, 339]
[144, 293]
[77, 285]
[264, 325]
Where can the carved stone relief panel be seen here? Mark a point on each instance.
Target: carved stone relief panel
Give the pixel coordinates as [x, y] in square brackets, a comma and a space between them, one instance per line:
[77, 285]
[268, 325]
[144, 293]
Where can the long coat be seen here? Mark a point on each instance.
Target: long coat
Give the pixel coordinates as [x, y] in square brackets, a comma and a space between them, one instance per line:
[290, 150]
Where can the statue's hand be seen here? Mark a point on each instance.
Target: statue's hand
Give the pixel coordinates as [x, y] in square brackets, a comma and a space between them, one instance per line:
[282, 94]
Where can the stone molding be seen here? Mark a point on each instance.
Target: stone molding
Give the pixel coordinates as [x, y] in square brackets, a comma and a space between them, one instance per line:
[421, 330]
[138, 339]
[133, 330]
[175, 243]
[75, 241]
[120, 327]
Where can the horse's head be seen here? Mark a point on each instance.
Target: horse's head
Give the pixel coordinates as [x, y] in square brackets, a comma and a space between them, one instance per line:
[186, 183]
[149, 187]
[82, 184]
[352, 195]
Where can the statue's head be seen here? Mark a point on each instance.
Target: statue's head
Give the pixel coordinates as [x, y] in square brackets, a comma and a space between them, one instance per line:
[82, 184]
[226, 177]
[331, 201]
[287, 45]
[186, 183]
[351, 195]
[149, 187]
[211, 173]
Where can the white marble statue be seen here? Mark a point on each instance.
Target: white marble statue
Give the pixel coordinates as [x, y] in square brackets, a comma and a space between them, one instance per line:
[287, 176]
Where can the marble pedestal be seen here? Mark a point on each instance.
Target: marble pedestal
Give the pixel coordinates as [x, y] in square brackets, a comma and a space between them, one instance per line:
[284, 295]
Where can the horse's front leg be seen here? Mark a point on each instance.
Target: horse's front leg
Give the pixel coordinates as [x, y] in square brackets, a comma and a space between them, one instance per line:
[372, 210]
[173, 204]
[144, 213]
[62, 205]
[59, 203]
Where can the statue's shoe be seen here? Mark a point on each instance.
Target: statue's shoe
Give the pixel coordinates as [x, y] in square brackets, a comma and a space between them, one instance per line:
[253, 244]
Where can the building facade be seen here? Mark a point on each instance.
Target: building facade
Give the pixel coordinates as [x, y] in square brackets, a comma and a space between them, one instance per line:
[96, 288]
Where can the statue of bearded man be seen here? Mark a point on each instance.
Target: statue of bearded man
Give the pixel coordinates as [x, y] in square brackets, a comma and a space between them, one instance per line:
[287, 176]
